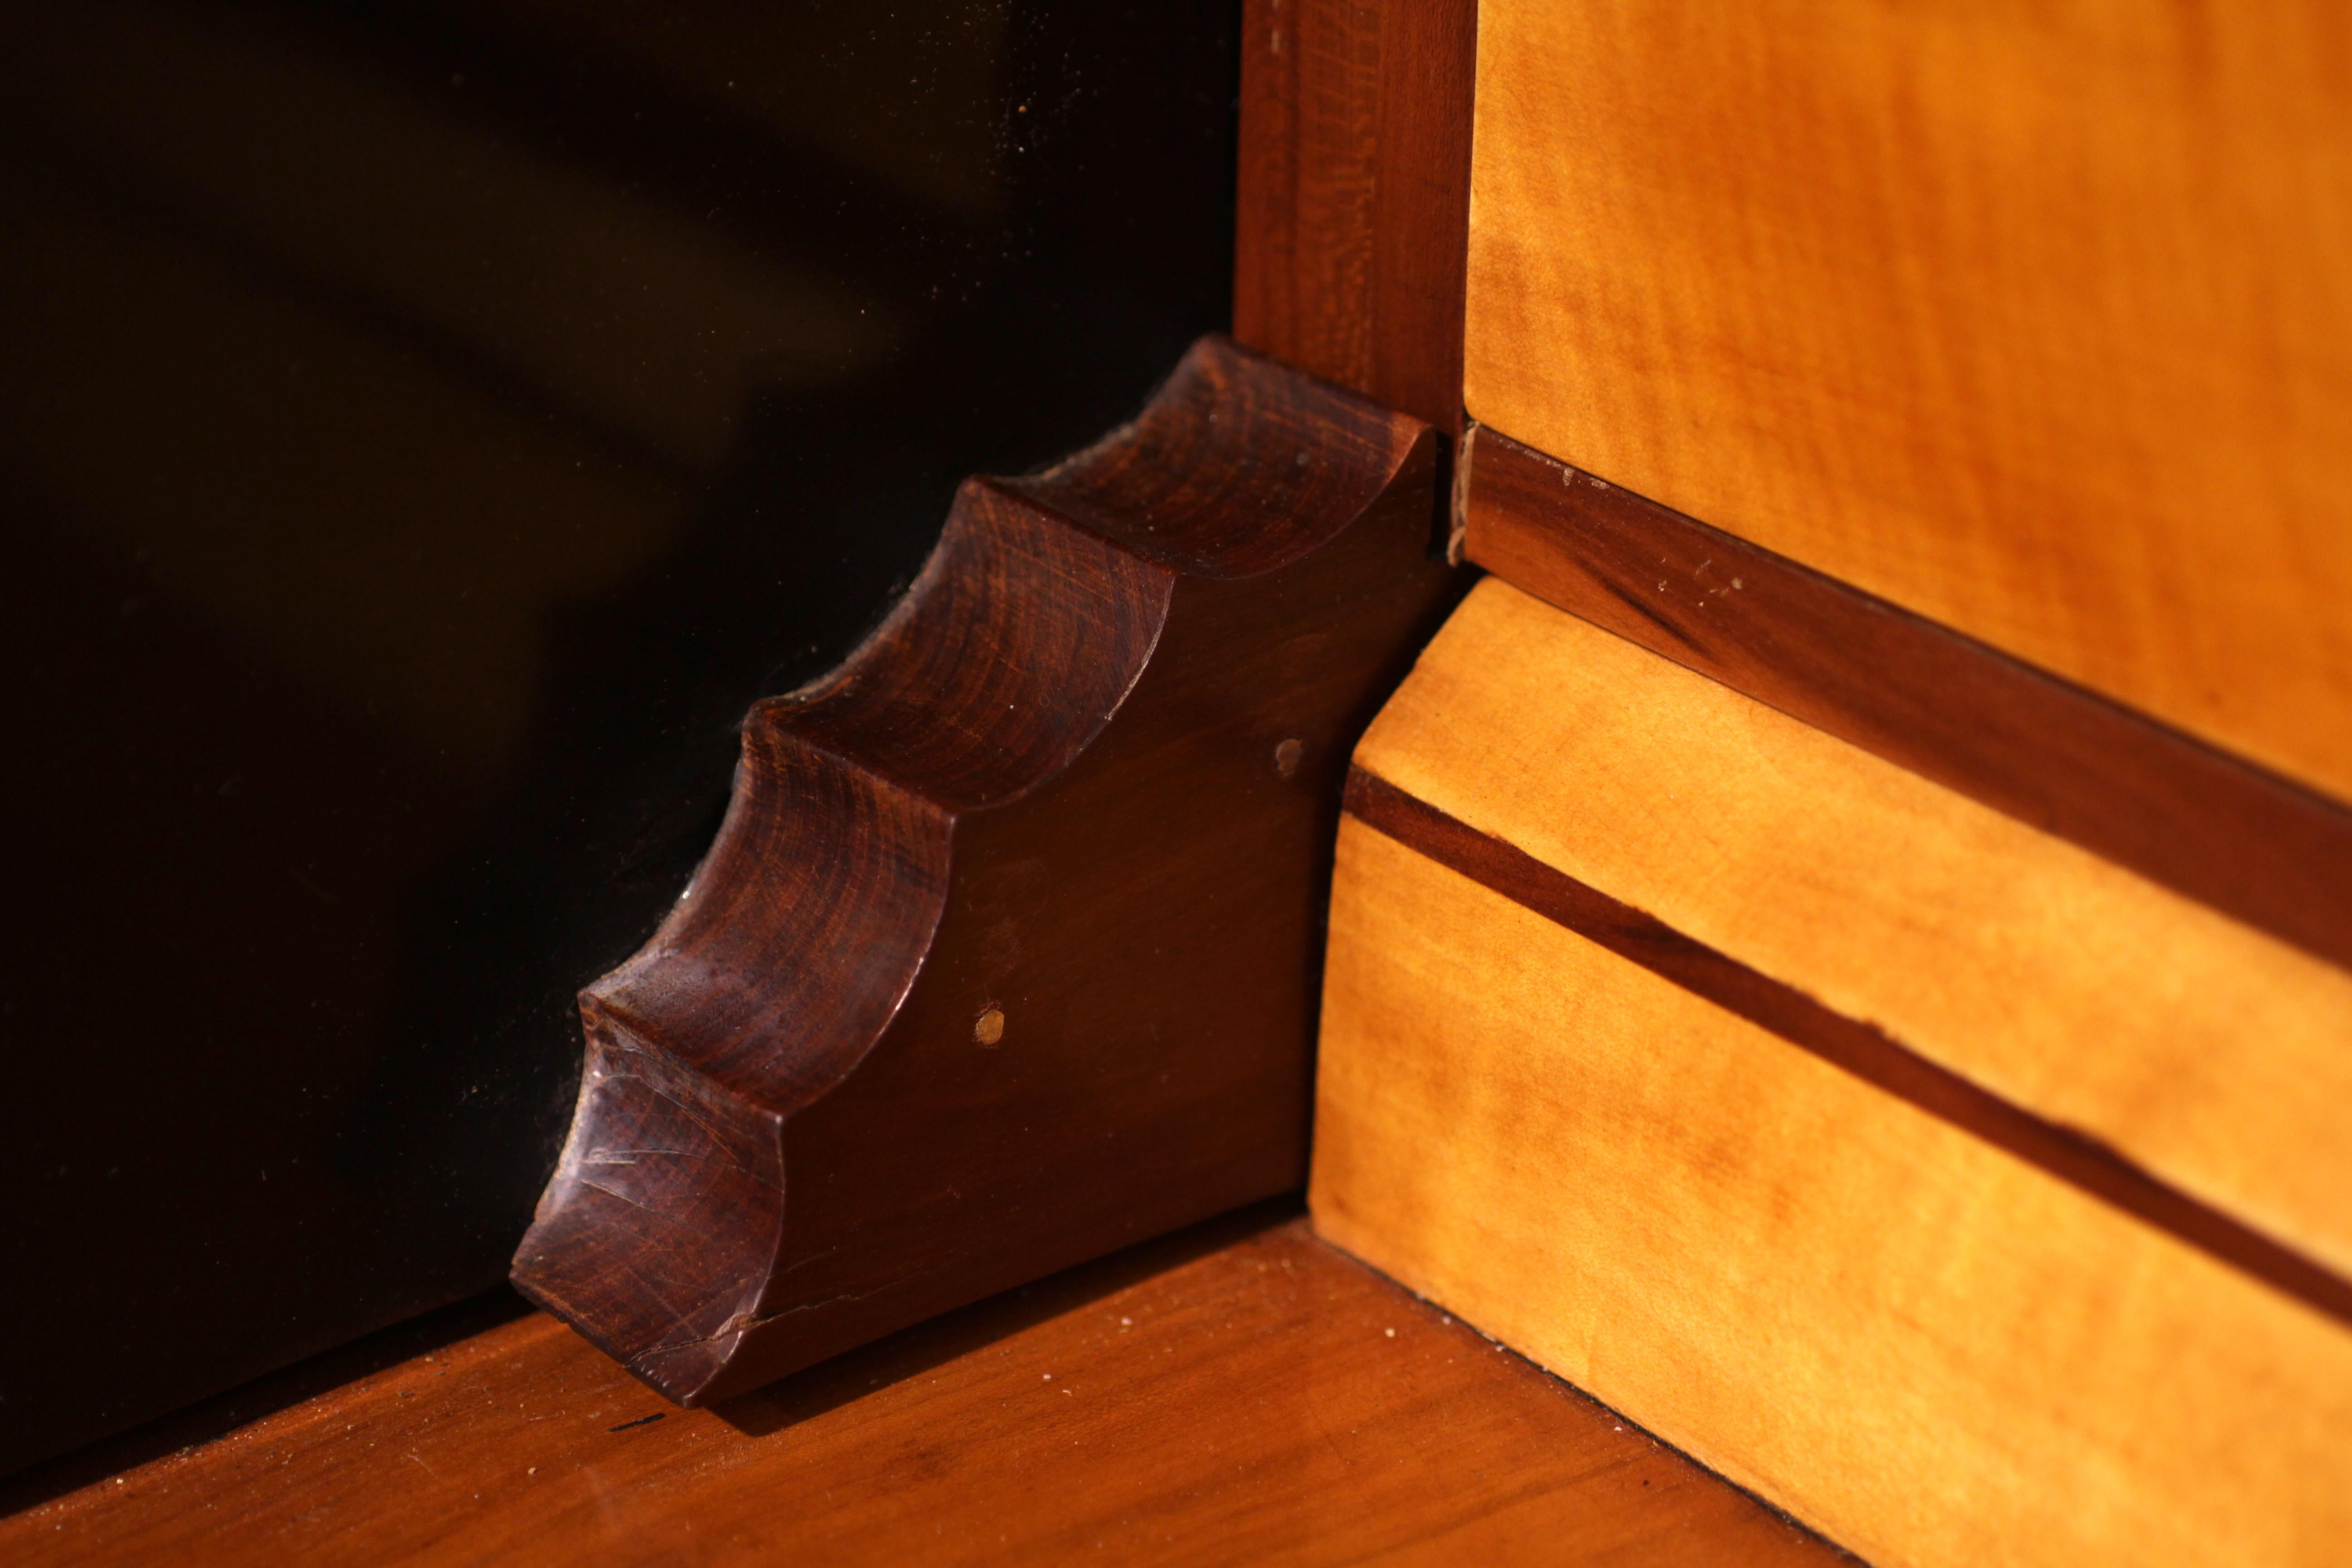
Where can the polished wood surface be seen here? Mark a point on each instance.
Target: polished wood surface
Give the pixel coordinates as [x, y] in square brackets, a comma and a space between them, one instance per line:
[1852, 1045]
[2206, 1055]
[1240, 1393]
[2049, 754]
[1934, 1352]
[2033, 322]
[1005, 955]
[1353, 205]
[1965, 1194]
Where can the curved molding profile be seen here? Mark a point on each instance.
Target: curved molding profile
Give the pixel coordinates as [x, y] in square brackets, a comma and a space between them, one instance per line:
[1006, 954]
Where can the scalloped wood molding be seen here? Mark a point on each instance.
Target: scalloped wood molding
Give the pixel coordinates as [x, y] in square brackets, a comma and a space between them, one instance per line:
[1007, 953]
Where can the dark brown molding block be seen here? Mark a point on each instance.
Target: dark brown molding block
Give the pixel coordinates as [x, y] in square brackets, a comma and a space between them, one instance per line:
[1006, 955]
[2069, 761]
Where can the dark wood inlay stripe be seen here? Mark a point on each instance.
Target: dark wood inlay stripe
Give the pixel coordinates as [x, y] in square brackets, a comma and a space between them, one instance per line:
[1854, 1046]
[2196, 820]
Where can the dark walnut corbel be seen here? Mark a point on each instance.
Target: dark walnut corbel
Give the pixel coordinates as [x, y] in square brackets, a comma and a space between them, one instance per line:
[1006, 955]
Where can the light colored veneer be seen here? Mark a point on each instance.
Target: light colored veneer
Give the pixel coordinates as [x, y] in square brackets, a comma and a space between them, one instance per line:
[2034, 319]
[1933, 1345]
[2200, 1049]
[1930, 1351]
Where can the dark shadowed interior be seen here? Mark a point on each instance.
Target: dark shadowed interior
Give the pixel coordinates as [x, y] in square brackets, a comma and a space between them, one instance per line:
[424, 431]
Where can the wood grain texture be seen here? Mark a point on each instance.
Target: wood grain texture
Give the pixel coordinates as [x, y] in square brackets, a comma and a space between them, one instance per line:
[1243, 1393]
[2047, 753]
[2208, 1055]
[1080, 784]
[1856, 1048]
[2035, 322]
[1930, 1351]
[1353, 204]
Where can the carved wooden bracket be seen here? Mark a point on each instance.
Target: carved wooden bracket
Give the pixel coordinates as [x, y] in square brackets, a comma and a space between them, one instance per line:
[1007, 953]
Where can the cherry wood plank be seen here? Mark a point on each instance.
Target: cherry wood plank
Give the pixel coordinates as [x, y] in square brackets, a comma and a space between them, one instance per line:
[1241, 1393]
[1353, 208]
[2053, 756]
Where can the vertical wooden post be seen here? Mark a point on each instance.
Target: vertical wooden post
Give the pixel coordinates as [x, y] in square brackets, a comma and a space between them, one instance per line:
[1353, 217]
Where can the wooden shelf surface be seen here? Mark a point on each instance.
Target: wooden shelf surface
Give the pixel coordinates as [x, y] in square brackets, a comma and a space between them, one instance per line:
[1240, 1393]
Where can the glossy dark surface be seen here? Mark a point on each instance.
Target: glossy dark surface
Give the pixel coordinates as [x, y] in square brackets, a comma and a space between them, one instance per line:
[421, 435]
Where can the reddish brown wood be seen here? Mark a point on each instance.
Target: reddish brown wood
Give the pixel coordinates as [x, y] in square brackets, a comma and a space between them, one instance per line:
[1353, 211]
[1240, 1395]
[1850, 1044]
[1006, 954]
[2067, 762]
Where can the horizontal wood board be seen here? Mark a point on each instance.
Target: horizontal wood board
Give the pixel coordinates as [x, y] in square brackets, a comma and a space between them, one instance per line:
[1932, 1350]
[2039, 749]
[2032, 319]
[2197, 1048]
[1239, 1394]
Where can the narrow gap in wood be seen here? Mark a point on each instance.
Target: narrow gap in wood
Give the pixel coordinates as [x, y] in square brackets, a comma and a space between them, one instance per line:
[1848, 1044]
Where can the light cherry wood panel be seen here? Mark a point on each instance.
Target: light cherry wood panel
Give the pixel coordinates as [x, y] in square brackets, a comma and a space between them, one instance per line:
[1931, 1350]
[2034, 319]
[2208, 1053]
